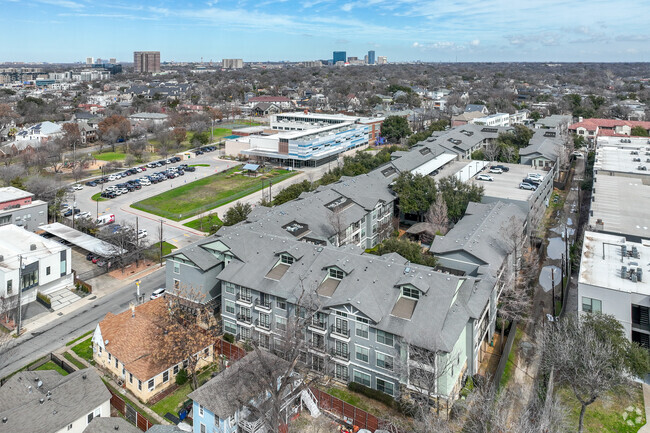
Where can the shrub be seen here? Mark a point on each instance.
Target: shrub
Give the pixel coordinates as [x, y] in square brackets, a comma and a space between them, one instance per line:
[181, 377]
[44, 298]
[229, 338]
[372, 393]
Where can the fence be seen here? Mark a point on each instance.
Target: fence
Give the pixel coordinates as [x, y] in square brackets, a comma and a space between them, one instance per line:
[505, 353]
[348, 413]
[230, 351]
[132, 415]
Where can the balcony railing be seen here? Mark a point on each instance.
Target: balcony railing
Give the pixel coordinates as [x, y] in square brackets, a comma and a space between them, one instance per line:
[318, 345]
[241, 297]
[343, 332]
[263, 303]
[340, 354]
[319, 324]
[262, 324]
[244, 318]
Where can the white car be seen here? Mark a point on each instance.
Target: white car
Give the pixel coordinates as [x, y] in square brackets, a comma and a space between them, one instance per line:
[157, 293]
[113, 177]
[77, 187]
[145, 182]
[535, 176]
[138, 169]
[81, 215]
[124, 191]
[142, 234]
[496, 170]
[484, 177]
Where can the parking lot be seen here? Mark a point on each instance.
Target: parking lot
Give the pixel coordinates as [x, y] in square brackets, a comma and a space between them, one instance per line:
[176, 234]
[506, 184]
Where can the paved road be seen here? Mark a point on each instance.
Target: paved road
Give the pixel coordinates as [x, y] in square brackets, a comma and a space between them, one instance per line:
[31, 346]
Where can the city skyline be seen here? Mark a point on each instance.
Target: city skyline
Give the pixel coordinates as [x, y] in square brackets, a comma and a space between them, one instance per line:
[402, 30]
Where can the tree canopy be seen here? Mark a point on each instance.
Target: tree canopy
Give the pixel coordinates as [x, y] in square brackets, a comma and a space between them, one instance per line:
[639, 131]
[394, 128]
[237, 213]
[415, 191]
[411, 251]
[457, 195]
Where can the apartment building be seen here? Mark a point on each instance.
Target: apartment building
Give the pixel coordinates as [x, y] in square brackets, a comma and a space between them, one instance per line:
[146, 61]
[18, 207]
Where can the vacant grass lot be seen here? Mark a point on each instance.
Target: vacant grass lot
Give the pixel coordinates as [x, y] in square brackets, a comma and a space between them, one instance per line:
[109, 156]
[615, 412]
[208, 193]
[49, 365]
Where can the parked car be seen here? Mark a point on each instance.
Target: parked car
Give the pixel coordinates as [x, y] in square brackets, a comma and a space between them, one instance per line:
[496, 170]
[89, 256]
[101, 262]
[124, 191]
[77, 187]
[535, 176]
[502, 167]
[151, 165]
[484, 177]
[91, 183]
[157, 293]
[81, 215]
[190, 169]
[68, 212]
[532, 180]
[528, 186]
[142, 234]
[95, 259]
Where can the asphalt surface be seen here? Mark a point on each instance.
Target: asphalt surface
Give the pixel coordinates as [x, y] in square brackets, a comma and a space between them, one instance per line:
[31, 346]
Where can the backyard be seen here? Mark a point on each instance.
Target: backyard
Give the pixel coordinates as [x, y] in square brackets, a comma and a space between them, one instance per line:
[209, 193]
[173, 401]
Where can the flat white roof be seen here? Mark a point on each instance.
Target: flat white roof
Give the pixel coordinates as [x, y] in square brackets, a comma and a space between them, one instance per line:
[9, 193]
[434, 164]
[621, 159]
[602, 262]
[87, 242]
[16, 241]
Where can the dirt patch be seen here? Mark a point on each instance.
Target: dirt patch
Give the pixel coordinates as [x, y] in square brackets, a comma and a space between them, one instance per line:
[130, 270]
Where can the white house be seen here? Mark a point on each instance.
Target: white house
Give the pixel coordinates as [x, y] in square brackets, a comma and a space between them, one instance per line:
[41, 131]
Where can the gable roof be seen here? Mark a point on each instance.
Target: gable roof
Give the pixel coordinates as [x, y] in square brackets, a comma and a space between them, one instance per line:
[70, 398]
[111, 425]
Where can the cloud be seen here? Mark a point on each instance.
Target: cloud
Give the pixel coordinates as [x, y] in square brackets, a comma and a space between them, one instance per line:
[347, 7]
[416, 44]
[63, 3]
[475, 43]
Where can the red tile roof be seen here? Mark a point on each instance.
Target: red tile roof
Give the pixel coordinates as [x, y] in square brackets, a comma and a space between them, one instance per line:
[592, 124]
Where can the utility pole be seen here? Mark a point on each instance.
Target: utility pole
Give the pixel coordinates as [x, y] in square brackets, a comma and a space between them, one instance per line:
[270, 192]
[74, 203]
[20, 296]
[161, 241]
[137, 248]
[553, 288]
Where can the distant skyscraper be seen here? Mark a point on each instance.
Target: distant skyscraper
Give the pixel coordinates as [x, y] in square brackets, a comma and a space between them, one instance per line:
[382, 60]
[146, 61]
[339, 56]
[232, 63]
[371, 57]
[112, 61]
[89, 60]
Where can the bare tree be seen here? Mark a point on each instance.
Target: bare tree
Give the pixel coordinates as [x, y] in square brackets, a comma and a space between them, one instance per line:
[10, 173]
[491, 150]
[437, 215]
[337, 224]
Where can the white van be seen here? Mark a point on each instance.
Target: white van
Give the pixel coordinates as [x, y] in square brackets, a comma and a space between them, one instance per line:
[105, 219]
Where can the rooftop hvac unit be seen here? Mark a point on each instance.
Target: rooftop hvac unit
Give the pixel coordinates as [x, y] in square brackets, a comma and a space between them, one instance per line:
[639, 274]
[633, 276]
[623, 271]
[624, 250]
[635, 252]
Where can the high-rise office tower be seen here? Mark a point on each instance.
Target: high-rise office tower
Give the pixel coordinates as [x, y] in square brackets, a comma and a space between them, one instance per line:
[146, 61]
[371, 57]
[89, 60]
[339, 56]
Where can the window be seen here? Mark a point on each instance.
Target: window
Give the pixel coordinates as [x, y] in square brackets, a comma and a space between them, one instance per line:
[64, 267]
[10, 289]
[410, 293]
[385, 386]
[130, 377]
[30, 279]
[230, 307]
[177, 284]
[230, 288]
[590, 305]
[116, 362]
[232, 421]
[200, 410]
[47, 271]
[384, 361]
[280, 323]
[150, 384]
[139, 385]
[176, 369]
[361, 328]
[287, 259]
[70, 427]
[166, 376]
[203, 428]
[90, 417]
[362, 378]
[230, 328]
[109, 356]
[177, 268]
[362, 353]
[336, 273]
[384, 338]
[281, 304]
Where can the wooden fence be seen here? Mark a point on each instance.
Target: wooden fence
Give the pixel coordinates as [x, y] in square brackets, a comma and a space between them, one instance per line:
[230, 351]
[129, 412]
[348, 413]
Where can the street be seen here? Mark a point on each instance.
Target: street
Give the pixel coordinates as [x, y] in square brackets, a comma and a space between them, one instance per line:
[33, 345]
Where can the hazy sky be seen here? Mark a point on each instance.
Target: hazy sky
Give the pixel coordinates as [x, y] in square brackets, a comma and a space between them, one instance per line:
[402, 30]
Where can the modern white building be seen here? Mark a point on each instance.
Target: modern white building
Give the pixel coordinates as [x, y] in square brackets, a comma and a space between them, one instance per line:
[498, 119]
[41, 131]
[615, 279]
[30, 263]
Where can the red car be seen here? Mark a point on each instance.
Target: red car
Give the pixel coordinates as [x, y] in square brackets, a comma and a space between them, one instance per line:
[143, 168]
[96, 259]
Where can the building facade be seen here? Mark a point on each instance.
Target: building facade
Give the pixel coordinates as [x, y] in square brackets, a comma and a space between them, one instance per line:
[146, 61]
[18, 207]
[371, 57]
[232, 63]
[339, 56]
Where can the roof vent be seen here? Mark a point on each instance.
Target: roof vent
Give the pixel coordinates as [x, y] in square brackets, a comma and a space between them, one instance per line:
[41, 401]
[83, 376]
[32, 247]
[4, 420]
[2, 258]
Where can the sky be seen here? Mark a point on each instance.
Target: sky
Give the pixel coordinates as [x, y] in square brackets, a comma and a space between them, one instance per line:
[299, 30]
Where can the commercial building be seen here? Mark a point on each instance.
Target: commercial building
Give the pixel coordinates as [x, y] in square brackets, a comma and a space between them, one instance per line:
[18, 207]
[232, 63]
[498, 119]
[30, 263]
[339, 56]
[371, 57]
[382, 60]
[47, 402]
[146, 61]
[615, 279]
[591, 129]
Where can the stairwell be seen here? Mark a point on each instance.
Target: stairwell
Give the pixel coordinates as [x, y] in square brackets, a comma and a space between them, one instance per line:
[309, 401]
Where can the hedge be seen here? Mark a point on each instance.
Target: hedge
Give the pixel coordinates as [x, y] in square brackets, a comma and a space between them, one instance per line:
[372, 393]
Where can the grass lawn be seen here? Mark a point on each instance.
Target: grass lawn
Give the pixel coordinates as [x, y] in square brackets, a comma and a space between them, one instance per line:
[221, 132]
[84, 350]
[361, 401]
[71, 342]
[109, 156]
[74, 361]
[173, 401]
[511, 364]
[200, 165]
[204, 223]
[208, 193]
[616, 412]
[167, 247]
[49, 365]
[98, 197]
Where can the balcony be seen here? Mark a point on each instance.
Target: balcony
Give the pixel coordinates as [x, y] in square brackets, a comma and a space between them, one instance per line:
[263, 304]
[243, 319]
[316, 325]
[340, 332]
[265, 326]
[340, 355]
[318, 345]
[244, 299]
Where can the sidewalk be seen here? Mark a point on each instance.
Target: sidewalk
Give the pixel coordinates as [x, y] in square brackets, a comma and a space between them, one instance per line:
[102, 285]
[646, 402]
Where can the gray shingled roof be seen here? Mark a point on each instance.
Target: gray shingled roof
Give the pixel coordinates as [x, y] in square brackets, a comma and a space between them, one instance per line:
[111, 425]
[71, 397]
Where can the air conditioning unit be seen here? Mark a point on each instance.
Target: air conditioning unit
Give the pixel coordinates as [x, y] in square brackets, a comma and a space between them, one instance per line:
[624, 272]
